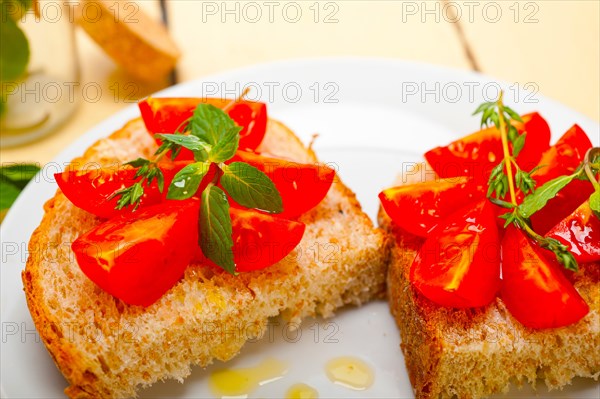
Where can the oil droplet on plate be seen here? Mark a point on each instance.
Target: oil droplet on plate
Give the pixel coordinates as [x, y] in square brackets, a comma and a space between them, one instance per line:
[301, 391]
[350, 372]
[241, 382]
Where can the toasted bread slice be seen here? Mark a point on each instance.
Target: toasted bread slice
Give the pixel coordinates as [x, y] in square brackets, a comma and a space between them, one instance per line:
[473, 353]
[108, 349]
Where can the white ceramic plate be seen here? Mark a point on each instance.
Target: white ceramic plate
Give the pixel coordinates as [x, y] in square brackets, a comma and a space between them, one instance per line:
[372, 115]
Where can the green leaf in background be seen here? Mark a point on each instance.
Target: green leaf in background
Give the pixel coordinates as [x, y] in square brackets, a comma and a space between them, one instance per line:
[210, 123]
[251, 188]
[216, 229]
[187, 180]
[542, 195]
[19, 174]
[226, 147]
[14, 52]
[15, 9]
[8, 193]
[13, 178]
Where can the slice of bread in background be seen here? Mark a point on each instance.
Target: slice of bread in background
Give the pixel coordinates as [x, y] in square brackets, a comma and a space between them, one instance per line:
[107, 349]
[473, 353]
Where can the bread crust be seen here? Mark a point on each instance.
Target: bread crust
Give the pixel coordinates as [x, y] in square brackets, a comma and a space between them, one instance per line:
[474, 353]
[108, 349]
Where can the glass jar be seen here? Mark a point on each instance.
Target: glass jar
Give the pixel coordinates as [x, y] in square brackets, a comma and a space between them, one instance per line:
[39, 69]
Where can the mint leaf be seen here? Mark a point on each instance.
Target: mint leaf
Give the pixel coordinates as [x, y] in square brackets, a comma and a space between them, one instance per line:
[215, 228]
[187, 180]
[542, 195]
[8, 193]
[14, 52]
[199, 147]
[210, 124]
[251, 188]
[225, 149]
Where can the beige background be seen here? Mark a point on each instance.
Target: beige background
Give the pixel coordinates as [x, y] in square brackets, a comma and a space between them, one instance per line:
[552, 44]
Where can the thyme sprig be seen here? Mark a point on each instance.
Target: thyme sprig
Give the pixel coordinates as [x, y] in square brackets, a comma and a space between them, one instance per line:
[501, 180]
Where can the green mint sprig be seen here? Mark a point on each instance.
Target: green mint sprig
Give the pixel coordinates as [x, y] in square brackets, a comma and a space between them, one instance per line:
[213, 137]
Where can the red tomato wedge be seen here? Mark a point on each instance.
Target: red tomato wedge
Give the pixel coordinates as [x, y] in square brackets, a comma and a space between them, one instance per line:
[260, 240]
[562, 158]
[534, 289]
[418, 208]
[565, 156]
[165, 115]
[536, 142]
[459, 263]
[90, 190]
[137, 258]
[302, 186]
[580, 232]
[477, 154]
[559, 207]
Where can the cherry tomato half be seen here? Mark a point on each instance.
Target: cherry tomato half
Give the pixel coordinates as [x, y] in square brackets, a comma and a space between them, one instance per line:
[459, 263]
[534, 289]
[580, 232]
[91, 190]
[260, 240]
[302, 186]
[418, 208]
[165, 115]
[139, 257]
[561, 159]
[477, 154]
